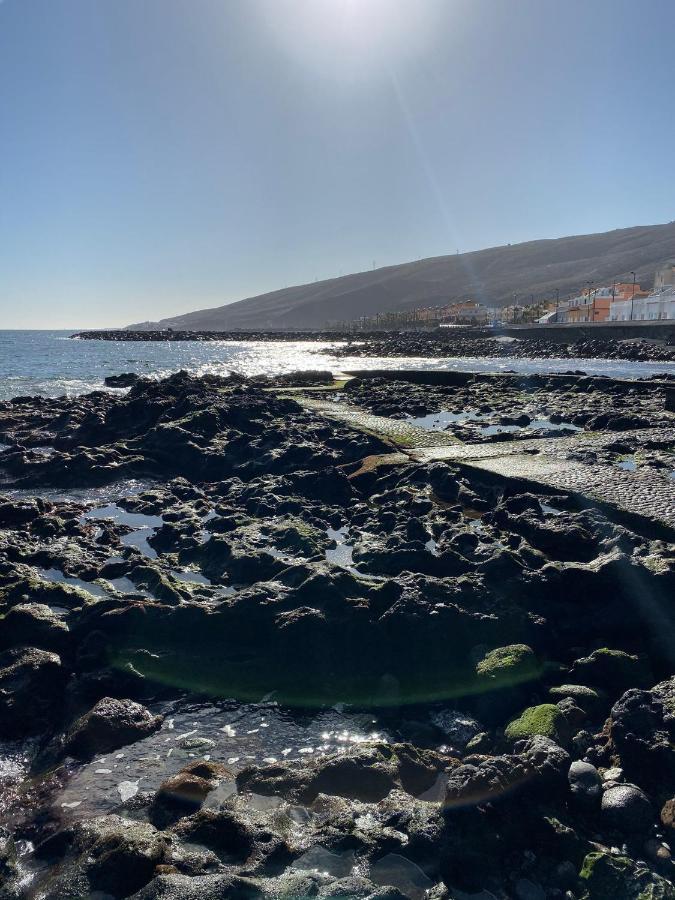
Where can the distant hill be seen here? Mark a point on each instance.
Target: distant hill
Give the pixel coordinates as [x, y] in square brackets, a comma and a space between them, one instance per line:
[491, 276]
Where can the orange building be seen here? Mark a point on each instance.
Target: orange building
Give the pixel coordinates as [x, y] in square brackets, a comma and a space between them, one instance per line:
[594, 305]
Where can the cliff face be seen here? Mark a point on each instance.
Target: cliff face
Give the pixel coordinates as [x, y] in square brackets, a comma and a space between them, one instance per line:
[491, 276]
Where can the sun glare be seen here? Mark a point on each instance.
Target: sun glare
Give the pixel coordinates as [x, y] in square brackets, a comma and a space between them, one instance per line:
[353, 35]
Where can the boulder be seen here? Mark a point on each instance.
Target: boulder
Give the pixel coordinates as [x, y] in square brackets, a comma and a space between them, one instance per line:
[125, 380]
[547, 720]
[183, 793]
[508, 666]
[110, 724]
[34, 625]
[627, 808]
[640, 732]
[32, 685]
[612, 669]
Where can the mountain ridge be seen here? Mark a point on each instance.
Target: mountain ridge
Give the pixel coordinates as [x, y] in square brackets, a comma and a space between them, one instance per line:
[491, 275]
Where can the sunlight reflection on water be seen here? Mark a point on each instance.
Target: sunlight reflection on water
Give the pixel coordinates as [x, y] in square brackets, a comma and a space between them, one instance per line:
[49, 364]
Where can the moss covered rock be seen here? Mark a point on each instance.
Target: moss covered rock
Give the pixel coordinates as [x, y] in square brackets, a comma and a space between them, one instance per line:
[589, 699]
[612, 669]
[546, 719]
[508, 666]
[606, 877]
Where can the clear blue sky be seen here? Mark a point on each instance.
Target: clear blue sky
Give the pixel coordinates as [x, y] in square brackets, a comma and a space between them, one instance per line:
[159, 156]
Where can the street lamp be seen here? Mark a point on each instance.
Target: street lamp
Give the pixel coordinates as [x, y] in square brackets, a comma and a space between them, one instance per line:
[557, 304]
[632, 299]
[588, 288]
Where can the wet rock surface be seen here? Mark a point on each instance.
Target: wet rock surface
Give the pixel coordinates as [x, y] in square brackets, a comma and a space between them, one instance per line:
[236, 661]
[492, 408]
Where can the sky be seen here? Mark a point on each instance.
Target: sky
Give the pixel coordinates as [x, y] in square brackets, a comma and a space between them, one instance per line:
[161, 156]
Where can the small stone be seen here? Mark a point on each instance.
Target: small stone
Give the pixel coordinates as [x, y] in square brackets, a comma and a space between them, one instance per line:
[459, 728]
[613, 774]
[481, 743]
[668, 813]
[585, 783]
[657, 851]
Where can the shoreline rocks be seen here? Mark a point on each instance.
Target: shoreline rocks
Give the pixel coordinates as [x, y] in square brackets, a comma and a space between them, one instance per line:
[501, 650]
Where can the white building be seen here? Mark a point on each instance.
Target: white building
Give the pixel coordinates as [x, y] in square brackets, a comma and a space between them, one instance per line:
[660, 304]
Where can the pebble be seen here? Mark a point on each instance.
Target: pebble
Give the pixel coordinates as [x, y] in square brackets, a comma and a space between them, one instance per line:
[657, 851]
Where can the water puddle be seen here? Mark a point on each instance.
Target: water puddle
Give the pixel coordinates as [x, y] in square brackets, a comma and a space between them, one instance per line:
[144, 526]
[432, 546]
[549, 510]
[534, 426]
[44, 451]
[342, 554]
[57, 576]
[235, 735]
[126, 586]
[281, 555]
[323, 862]
[444, 420]
[628, 464]
[190, 577]
[440, 421]
[396, 871]
[105, 494]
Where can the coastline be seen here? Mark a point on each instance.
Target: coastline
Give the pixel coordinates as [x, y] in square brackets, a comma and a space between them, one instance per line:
[446, 649]
[518, 343]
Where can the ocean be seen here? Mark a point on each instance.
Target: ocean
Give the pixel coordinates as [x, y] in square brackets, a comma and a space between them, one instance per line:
[50, 364]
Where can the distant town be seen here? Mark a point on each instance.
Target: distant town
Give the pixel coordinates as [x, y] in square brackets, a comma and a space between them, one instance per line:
[620, 301]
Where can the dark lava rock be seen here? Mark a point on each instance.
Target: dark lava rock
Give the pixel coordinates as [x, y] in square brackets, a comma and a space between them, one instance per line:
[34, 625]
[32, 683]
[109, 725]
[183, 793]
[362, 773]
[640, 731]
[585, 783]
[15, 513]
[627, 808]
[612, 669]
[125, 380]
[204, 887]
[107, 856]
[540, 765]
[230, 835]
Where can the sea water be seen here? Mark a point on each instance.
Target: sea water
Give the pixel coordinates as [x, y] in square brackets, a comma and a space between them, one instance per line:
[50, 364]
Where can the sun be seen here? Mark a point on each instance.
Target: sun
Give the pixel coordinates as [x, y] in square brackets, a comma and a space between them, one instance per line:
[352, 36]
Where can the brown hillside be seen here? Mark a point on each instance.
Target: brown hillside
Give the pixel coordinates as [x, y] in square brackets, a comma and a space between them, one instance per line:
[492, 276]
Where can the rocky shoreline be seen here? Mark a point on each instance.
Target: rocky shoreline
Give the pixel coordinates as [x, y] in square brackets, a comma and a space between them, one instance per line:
[250, 652]
[437, 343]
